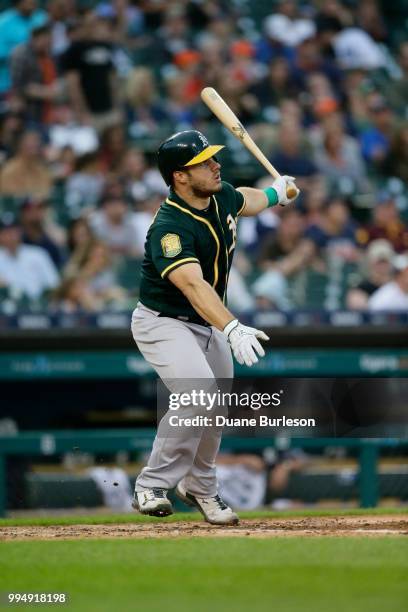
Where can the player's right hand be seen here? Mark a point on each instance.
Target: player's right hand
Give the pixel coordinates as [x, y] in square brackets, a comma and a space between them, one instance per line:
[281, 185]
[244, 342]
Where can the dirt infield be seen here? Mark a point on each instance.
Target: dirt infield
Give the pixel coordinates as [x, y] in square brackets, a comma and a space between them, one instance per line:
[384, 525]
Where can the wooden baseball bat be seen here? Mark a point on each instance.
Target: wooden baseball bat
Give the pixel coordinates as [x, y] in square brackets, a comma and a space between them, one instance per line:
[223, 112]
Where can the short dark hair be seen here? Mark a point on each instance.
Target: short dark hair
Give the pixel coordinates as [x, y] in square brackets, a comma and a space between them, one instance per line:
[44, 28]
[107, 199]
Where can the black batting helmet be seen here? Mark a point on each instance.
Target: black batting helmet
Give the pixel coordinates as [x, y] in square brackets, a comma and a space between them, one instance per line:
[182, 150]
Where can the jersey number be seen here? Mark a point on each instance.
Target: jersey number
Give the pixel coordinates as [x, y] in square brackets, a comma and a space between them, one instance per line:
[232, 224]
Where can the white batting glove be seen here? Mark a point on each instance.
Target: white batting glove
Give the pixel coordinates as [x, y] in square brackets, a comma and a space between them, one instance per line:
[280, 185]
[244, 342]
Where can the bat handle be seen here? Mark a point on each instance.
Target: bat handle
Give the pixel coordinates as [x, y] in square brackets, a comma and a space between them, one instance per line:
[291, 192]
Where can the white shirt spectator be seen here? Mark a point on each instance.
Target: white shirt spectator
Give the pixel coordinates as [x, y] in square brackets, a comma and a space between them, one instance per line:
[239, 297]
[83, 190]
[389, 297]
[290, 32]
[30, 271]
[81, 138]
[355, 48]
[141, 221]
[121, 238]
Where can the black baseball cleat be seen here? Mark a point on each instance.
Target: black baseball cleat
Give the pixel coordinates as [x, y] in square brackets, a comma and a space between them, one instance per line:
[153, 502]
[213, 509]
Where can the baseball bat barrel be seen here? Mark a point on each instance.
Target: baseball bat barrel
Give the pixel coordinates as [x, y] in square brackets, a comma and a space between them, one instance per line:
[223, 112]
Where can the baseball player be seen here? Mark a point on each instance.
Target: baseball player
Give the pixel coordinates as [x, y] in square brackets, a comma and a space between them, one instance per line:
[182, 325]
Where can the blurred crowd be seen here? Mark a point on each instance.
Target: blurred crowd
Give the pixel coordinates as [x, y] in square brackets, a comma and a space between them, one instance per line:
[89, 89]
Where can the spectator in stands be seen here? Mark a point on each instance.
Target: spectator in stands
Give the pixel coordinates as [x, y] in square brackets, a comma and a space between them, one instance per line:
[25, 269]
[91, 75]
[62, 163]
[37, 230]
[309, 60]
[213, 57]
[240, 297]
[355, 88]
[11, 126]
[386, 223]
[314, 200]
[89, 281]
[377, 271]
[397, 90]
[277, 245]
[84, 187]
[371, 21]
[335, 9]
[34, 76]
[153, 13]
[62, 14]
[74, 294]
[323, 101]
[127, 18]
[173, 35]
[138, 178]
[181, 113]
[249, 481]
[393, 295]
[376, 139]
[79, 240]
[188, 62]
[15, 27]
[112, 224]
[113, 147]
[66, 131]
[79, 235]
[146, 204]
[337, 156]
[291, 156]
[26, 174]
[288, 26]
[114, 188]
[244, 67]
[234, 92]
[97, 269]
[336, 234]
[396, 162]
[277, 261]
[272, 44]
[353, 47]
[291, 112]
[145, 111]
[275, 86]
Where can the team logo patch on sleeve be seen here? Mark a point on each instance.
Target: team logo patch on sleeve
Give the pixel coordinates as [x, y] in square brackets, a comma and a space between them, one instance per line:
[171, 245]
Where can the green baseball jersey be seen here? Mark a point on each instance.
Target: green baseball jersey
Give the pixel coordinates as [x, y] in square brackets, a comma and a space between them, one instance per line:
[181, 234]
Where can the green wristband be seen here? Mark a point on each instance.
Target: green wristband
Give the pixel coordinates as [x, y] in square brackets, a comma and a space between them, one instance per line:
[272, 196]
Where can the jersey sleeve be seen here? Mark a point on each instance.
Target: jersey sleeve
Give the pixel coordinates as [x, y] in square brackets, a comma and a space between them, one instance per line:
[171, 248]
[236, 198]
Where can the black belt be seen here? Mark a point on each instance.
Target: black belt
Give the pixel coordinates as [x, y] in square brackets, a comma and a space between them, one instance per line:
[194, 319]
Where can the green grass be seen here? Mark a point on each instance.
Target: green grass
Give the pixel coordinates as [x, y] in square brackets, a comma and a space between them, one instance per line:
[214, 575]
[188, 516]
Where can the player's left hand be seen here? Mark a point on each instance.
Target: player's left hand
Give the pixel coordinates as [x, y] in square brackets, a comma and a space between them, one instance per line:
[244, 342]
[281, 185]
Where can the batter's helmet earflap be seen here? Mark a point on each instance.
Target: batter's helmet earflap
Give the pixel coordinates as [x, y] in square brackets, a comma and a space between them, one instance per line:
[182, 150]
